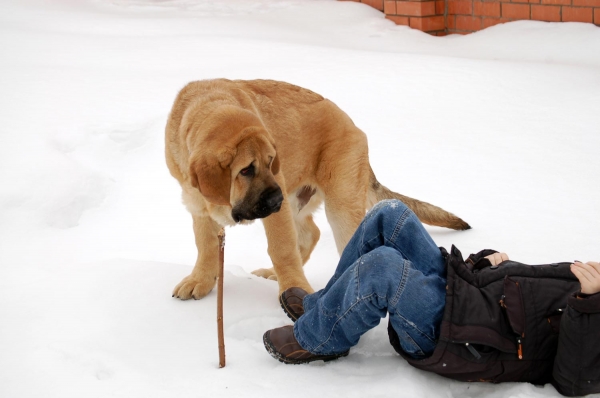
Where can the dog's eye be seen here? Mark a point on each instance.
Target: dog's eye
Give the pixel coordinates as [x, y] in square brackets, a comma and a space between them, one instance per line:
[248, 171]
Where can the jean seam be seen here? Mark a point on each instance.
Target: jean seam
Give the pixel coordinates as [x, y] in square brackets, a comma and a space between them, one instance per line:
[392, 239]
[401, 286]
[362, 239]
[398, 226]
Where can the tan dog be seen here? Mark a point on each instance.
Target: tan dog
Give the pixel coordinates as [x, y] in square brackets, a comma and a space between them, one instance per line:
[243, 150]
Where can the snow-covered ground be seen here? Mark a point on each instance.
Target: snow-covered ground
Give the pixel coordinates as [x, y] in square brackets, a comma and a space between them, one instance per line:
[501, 127]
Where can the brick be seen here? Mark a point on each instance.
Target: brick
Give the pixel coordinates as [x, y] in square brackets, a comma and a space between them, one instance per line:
[597, 16]
[586, 3]
[465, 22]
[440, 7]
[545, 13]
[487, 22]
[427, 24]
[515, 11]
[378, 4]
[464, 7]
[576, 14]
[415, 8]
[519, 1]
[451, 22]
[535, 1]
[488, 9]
[398, 20]
[557, 2]
[389, 7]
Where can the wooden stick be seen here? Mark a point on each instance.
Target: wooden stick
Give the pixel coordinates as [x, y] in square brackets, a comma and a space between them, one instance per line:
[220, 299]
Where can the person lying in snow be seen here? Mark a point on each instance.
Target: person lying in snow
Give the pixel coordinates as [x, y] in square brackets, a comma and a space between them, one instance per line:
[485, 318]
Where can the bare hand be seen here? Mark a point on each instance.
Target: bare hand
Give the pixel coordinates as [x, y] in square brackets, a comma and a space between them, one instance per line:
[497, 258]
[588, 275]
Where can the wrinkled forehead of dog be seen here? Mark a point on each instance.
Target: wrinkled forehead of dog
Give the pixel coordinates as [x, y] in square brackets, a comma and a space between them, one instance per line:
[234, 135]
[254, 147]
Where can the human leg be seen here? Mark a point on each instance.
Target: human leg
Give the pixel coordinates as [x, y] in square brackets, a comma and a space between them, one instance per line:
[378, 282]
[389, 223]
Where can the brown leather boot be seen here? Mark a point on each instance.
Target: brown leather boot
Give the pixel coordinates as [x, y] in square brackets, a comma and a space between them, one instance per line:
[291, 302]
[282, 345]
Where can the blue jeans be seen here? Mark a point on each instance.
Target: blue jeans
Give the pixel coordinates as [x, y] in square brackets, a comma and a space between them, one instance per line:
[391, 265]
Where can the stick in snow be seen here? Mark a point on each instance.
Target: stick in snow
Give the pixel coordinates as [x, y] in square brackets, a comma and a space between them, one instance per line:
[220, 299]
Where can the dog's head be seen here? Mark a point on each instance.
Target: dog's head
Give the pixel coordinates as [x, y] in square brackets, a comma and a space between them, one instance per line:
[233, 163]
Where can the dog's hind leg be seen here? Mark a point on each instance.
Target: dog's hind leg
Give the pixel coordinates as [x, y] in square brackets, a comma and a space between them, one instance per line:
[308, 236]
[344, 179]
[304, 203]
[343, 222]
[345, 207]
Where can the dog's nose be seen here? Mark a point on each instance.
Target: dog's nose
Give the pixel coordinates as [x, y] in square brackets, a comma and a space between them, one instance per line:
[272, 198]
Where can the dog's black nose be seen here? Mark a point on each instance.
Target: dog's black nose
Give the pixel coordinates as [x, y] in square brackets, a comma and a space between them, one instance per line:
[272, 198]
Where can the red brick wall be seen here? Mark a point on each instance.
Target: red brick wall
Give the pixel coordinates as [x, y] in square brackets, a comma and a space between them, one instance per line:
[440, 17]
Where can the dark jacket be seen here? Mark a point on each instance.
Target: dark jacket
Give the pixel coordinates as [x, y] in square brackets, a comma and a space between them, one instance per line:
[515, 322]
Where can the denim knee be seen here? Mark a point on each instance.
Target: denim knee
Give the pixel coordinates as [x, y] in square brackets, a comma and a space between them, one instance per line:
[380, 272]
[387, 206]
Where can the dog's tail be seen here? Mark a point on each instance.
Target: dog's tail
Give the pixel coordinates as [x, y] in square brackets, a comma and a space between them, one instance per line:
[427, 213]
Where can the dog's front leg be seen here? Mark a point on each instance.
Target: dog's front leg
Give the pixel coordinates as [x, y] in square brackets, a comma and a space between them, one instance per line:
[204, 275]
[283, 250]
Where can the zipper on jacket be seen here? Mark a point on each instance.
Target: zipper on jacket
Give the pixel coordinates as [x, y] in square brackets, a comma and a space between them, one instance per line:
[501, 302]
[519, 338]
[519, 347]
[472, 350]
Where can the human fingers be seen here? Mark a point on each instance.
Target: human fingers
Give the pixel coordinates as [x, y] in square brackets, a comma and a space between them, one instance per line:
[595, 265]
[583, 271]
[500, 257]
[497, 258]
[588, 277]
[583, 281]
[590, 269]
[577, 271]
[493, 259]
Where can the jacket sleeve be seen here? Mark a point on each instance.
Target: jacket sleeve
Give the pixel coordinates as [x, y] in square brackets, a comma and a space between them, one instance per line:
[577, 363]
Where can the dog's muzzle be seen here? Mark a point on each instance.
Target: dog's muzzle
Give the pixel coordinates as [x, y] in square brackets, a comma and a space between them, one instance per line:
[269, 202]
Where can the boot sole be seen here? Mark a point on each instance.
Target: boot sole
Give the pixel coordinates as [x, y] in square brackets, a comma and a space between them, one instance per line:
[291, 361]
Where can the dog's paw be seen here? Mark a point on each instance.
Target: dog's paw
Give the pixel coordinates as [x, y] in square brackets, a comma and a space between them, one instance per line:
[194, 287]
[267, 273]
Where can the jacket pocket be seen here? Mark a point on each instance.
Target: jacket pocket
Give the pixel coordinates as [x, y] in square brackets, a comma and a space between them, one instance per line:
[473, 361]
[482, 352]
[512, 303]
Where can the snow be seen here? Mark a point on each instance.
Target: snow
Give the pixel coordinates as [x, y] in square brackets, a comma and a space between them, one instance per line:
[501, 127]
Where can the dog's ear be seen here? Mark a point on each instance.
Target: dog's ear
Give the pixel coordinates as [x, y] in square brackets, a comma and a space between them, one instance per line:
[212, 178]
[275, 165]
